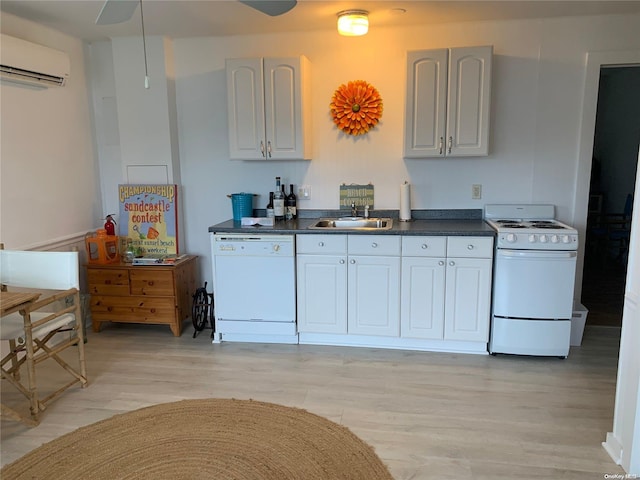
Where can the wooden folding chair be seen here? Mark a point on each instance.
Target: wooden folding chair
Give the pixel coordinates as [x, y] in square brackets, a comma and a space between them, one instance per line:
[32, 332]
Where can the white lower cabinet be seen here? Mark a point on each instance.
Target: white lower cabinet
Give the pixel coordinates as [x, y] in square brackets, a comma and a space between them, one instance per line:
[393, 291]
[446, 288]
[348, 284]
[423, 286]
[374, 285]
[321, 283]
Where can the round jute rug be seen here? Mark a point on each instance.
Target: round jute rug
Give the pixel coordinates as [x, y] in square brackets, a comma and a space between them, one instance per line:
[205, 439]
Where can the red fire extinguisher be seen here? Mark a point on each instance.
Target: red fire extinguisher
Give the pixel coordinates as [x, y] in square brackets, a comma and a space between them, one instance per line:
[110, 225]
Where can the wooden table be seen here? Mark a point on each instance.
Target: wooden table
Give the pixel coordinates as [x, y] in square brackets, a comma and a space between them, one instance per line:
[11, 302]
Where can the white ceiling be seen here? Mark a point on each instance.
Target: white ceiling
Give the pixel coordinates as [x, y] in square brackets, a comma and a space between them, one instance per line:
[190, 18]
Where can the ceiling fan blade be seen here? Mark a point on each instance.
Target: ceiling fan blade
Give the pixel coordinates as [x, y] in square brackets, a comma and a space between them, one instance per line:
[116, 11]
[271, 7]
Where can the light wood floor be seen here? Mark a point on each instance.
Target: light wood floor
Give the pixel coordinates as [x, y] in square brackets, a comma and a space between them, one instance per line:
[428, 415]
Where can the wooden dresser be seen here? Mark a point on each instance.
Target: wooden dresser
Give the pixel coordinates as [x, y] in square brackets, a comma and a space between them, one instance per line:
[156, 294]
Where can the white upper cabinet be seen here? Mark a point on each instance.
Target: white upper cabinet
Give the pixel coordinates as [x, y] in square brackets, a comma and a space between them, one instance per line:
[268, 103]
[448, 102]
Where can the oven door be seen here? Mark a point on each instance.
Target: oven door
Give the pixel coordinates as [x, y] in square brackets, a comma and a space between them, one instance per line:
[534, 284]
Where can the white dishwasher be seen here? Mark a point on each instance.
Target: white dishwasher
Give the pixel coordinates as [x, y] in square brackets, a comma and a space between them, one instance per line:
[254, 288]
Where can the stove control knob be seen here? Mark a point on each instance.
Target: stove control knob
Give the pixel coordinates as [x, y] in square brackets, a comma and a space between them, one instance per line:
[543, 239]
[532, 238]
[511, 238]
[566, 239]
[554, 238]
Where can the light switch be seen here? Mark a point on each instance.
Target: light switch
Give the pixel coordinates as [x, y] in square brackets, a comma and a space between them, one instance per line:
[304, 192]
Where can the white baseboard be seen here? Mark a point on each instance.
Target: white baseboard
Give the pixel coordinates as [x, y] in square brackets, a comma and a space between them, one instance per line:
[613, 447]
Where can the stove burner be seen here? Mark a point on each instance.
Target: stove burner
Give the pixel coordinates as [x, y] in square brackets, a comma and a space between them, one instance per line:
[548, 226]
[513, 225]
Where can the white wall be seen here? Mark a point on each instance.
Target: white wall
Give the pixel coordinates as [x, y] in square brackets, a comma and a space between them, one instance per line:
[538, 79]
[49, 185]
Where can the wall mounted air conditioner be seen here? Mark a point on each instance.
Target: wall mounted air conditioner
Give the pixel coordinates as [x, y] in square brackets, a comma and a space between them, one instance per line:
[26, 62]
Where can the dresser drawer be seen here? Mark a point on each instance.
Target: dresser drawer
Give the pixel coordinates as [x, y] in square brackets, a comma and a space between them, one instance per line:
[476, 247]
[151, 282]
[133, 309]
[321, 244]
[108, 281]
[424, 246]
[374, 245]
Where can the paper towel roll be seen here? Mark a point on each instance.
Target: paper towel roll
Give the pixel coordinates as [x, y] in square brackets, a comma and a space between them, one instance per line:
[405, 202]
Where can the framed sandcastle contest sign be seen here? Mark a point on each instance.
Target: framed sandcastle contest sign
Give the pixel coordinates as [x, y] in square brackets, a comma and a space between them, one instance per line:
[149, 217]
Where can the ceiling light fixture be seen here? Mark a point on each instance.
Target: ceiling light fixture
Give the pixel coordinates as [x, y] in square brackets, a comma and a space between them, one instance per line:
[353, 23]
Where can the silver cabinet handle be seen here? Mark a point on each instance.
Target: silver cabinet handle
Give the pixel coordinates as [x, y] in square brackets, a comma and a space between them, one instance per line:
[441, 262]
[342, 261]
[269, 148]
[352, 261]
[452, 263]
[470, 247]
[374, 245]
[450, 144]
[441, 144]
[262, 148]
[424, 246]
[321, 244]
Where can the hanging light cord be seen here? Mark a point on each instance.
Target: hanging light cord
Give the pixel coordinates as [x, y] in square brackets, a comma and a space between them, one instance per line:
[144, 48]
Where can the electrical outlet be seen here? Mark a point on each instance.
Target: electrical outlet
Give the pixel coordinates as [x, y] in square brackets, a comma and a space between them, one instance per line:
[476, 191]
[304, 192]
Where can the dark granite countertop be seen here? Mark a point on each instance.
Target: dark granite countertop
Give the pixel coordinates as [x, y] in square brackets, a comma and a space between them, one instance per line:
[424, 222]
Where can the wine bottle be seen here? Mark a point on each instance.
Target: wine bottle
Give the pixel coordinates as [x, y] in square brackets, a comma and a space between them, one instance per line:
[270, 213]
[291, 204]
[278, 202]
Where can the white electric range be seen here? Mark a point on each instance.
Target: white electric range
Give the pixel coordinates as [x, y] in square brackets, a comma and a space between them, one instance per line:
[534, 277]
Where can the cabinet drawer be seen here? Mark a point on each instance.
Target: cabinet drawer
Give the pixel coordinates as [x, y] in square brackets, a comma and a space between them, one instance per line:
[321, 244]
[374, 244]
[108, 281]
[424, 246]
[476, 247]
[151, 282]
[133, 309]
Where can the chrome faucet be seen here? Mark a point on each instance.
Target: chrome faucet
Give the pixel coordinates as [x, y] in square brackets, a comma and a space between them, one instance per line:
[354, 209]
[366, 211]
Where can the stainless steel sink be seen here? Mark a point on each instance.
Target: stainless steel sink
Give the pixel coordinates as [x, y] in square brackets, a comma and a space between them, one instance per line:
[353, 223]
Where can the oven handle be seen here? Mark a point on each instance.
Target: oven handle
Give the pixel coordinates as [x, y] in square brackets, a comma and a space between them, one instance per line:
[536, 253]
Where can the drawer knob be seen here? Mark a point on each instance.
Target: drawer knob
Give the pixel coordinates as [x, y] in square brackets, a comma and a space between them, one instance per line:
[342, 261]
[452, 263]
[441, 262]
[374, 245]
[321, 244]
[424, 246]
[470, 247]
[352, 261]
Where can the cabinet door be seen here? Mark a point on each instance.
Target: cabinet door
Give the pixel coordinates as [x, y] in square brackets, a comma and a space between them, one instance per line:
[422, 297]
[469, 96]
[245, 108]
[374, 295]
[322, 293]
[284, 85]
[426, 103]
[467, 301]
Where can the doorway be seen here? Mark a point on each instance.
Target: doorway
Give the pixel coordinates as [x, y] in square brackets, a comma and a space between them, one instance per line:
[613, 173]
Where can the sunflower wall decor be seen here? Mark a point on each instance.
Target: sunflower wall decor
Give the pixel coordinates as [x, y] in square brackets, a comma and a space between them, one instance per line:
[356, 107]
